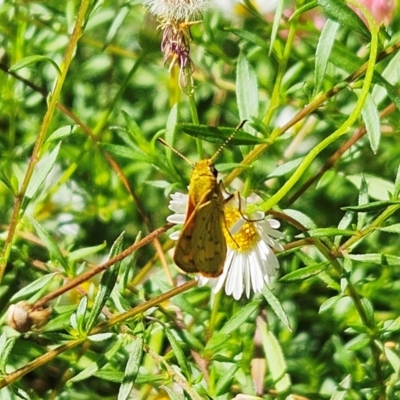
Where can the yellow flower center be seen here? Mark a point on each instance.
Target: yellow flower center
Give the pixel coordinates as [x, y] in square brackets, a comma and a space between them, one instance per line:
[247, 236]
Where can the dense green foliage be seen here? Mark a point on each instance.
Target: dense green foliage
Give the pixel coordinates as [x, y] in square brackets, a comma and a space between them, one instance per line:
[84, 95]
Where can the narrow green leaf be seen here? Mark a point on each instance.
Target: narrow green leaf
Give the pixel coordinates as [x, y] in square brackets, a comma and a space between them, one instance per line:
[100, 337]
[42, 170]
[85, 252]
[218, 135]
[304, 273]
[246, 89]
[116, 24]
[33, 288]
[378, 188]
[107, 282]
[178, 352]
[275, 358]
[276, 24]
[225, 382]
[372, 207]
[28, 61]
[362, 200]
[124, 152]
[6, 347]
[217, 341]
[329, 303]
[395, 228]
[341, 392]
[326, 232]
[11, 183]
[62, 132]
[396, 189]
[376, 258]
[285, 168]
[370, 116]
[276, 307]
[393, 359]
[81, 314]
[323, 52]
[240, 317]
[249, 37]
[131, 369]
[96, 366]
[50, 244]
[340, 12]
[303, 219]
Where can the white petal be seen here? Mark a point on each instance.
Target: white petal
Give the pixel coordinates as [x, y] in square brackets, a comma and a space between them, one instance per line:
[175, 235]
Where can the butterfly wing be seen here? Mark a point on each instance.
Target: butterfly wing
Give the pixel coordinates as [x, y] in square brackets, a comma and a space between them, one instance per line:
[208, 241]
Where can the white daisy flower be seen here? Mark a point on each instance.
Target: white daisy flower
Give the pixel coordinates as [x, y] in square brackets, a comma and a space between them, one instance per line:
[250, 261]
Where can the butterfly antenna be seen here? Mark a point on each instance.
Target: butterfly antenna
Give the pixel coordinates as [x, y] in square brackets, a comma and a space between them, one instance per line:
[161, 140]
[228, 139]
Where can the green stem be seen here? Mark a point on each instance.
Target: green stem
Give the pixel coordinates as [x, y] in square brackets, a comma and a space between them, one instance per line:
[272, 201]
[52, 103]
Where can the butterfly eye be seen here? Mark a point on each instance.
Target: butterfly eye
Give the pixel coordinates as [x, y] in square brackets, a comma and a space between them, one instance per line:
[214, 171]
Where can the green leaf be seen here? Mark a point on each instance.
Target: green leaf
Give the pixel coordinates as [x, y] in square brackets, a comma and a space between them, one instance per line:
[240, 317]
[326, 232]
[393, 359]
[394, 228]
[62, 132]
[124, 152]
[178, 352]
[378, 188]
[304, 273]
[396, 189]
[246, 89]
[41, 171]
[303, 219]
[85, 252]
[50, 244]
[372, 124]
[11, 183]
[362, 200]
[100, 337]
[276, 307]
[249, 37]
[340, 12]
[225, 381]
[323, 52]
[131, 369]
[81, 314]
[341, 392]
[106, 285]
[285, 168]
[117, 21]
[372, 207]
[34, 287]
[217, 341]
[376, 258]
[275, 358]
[218, 135]
[276, 24]
[6, 347]
[27, 61]
[326, 305]
[96, 366]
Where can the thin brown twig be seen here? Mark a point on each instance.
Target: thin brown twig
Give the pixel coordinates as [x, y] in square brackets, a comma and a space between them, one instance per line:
[89, 274]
